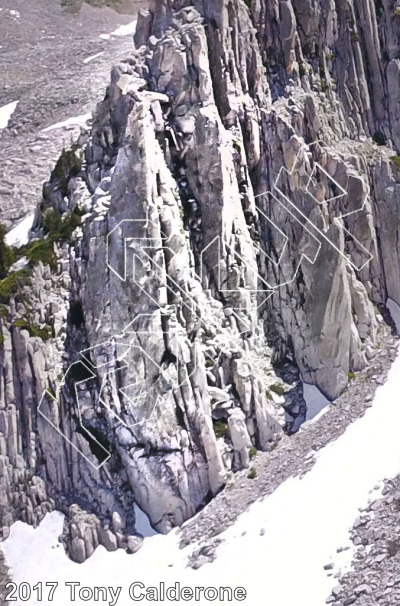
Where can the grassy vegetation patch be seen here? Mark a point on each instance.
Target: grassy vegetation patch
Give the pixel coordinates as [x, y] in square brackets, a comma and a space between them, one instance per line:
[4, 311]
[69, 165]
[10, 286]
[61, 227]
[40, 250]
[252, 474]
[44, 333]
[221, 429]
[278, 389]
[253, 452]
[7, 255]
[396, 161]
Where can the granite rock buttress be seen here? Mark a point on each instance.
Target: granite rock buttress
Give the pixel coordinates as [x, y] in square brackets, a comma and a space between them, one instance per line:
[238, 195]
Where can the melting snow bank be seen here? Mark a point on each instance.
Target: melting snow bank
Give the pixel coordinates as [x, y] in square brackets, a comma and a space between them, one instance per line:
[6, 112]
[276, 550]
[142, 523]
[315, 400]
[77, 120]
[19, 235]
[93, 57]
[124, 30]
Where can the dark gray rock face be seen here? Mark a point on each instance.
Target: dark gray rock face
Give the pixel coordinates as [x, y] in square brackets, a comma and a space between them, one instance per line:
[236, 210]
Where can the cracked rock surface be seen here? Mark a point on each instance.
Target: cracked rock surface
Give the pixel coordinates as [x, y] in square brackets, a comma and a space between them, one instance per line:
[173, 303]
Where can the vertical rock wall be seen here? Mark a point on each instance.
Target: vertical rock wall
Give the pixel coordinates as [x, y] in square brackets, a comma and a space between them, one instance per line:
[237, 209]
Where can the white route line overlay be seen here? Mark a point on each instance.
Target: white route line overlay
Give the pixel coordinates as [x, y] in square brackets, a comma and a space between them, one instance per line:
[304, 149]
[145, 223]
[51, 398]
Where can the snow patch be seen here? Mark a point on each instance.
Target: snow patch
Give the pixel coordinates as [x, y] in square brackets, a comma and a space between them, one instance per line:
[93, 57]
[303, 523]
[75, 121]
[125, 30]
[315, 400]
[18, 265]
[6, 111]
[19, 235]
[394, 309]
[142, 523]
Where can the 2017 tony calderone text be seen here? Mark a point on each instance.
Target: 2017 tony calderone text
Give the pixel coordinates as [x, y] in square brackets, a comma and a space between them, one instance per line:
[136, 591]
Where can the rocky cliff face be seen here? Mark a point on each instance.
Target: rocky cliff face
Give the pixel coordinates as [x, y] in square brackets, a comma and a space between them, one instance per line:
[234, 206]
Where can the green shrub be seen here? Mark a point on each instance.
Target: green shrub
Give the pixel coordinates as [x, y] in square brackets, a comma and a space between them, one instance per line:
[329, 56]
[351, 376]
[58, 228]
[68, 165]
[40, 250]
[52, 393]
[253, 452]
[61, 227]
[7, 255]
[10, 286]
[396, 161]
[51, 221]
[278, 389]
[252, 473]
[220, 429]
[236, 146]
[324, 85]
[396, 13]
[44, 333]
[4, 311]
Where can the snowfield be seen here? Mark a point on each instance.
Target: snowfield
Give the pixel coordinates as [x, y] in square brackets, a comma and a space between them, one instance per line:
[6, 111]
[315, 400]
[93, 57]
[124, 30]
[276, 550]
[19, 235]
[74, 121]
